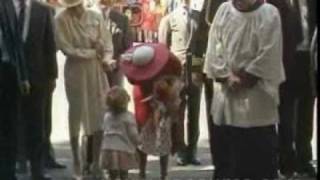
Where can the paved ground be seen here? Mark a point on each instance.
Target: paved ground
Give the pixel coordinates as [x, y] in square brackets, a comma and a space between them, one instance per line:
[61, 144]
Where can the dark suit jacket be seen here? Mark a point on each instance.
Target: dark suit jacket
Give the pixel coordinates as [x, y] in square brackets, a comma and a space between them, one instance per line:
[292, 31]
[121, 40]
[312, 16]
[12, 38]
[40, 46]
[212, 7]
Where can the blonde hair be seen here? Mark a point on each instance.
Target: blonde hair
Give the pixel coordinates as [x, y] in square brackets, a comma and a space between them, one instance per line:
[117, 99]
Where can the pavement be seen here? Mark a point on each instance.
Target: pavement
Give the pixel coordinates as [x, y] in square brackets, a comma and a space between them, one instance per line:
[60, 139]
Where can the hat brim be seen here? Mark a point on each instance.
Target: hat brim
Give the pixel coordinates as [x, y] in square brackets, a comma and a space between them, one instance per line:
[149, 71]
[69, 5]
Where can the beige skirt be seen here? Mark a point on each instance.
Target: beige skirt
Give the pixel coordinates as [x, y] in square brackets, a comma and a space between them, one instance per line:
[118, 160]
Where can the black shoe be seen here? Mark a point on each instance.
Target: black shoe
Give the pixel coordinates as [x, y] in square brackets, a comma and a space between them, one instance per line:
[54, 165]
[41, 177]
[195, 161]
[181, 161]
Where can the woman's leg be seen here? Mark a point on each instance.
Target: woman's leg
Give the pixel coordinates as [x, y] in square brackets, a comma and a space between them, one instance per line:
[96, 147]
[74, 130]
[86, 154]
[142, 164]
[164, 161]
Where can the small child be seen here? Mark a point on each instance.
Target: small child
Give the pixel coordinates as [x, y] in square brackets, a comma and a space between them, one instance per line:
[120, 136]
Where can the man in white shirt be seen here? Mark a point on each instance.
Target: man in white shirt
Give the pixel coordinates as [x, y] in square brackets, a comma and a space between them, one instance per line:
[244, 57]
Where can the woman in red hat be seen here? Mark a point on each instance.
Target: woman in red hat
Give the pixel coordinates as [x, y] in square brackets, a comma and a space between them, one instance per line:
[155, 73]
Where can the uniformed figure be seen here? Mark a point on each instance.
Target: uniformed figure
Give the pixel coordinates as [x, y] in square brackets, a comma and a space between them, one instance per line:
[181, 26]
[171, 5]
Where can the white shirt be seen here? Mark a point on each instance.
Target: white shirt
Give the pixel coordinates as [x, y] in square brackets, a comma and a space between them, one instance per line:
[197, 5]
[304, 46]
[16, 4]
[252, 42]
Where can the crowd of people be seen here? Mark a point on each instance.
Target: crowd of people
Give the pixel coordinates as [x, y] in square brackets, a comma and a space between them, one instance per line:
[255, 59]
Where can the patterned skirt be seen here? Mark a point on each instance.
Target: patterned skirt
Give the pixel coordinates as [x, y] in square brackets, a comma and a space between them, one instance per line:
[118, 160]
[156, 137]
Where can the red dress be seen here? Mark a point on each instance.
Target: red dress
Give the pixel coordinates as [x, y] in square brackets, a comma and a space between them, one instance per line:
[142, 109]
[142, 90]
[149, 18]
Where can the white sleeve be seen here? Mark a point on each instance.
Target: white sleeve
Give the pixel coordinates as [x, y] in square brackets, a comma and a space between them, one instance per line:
[164, 30]
[106, 38]
[64, 43]
[215, 65]
[268, 64]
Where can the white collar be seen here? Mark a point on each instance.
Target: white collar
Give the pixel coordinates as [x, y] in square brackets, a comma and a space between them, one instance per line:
[16, 4]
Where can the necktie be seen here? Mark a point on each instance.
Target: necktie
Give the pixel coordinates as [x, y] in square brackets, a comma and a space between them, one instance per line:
[22, 14]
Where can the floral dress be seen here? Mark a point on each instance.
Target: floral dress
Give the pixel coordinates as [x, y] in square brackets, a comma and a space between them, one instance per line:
[156, 134]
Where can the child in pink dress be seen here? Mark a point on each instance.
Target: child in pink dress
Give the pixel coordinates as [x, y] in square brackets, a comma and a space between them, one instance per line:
[120, 137]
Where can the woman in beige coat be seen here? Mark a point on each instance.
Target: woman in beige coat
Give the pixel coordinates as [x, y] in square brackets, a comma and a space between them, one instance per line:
[87, 44]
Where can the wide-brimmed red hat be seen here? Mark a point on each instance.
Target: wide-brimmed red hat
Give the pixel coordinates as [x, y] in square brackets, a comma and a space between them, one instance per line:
[144, 61]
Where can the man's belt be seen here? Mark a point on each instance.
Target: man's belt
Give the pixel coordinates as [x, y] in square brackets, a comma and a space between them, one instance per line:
[197, 61]
[197, 64]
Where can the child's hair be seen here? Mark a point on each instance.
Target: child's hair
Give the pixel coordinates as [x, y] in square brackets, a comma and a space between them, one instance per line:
[117, 99]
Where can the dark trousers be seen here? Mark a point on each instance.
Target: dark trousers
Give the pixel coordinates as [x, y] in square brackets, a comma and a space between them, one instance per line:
[296, 117]
[245, 152]
[193, 128]
[208, 98]
[115, 78]
[49, 155]
[193, 111]
[34, 117]
[8, 121]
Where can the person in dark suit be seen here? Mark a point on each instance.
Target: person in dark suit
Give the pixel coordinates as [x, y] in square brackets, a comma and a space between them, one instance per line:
[36, 24]
[296, 129]
[118, 25]
[49, 154]
[13, 76]
[209, 11]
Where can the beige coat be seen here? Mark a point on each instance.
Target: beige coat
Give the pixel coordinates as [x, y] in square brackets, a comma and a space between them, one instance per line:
[85, 80]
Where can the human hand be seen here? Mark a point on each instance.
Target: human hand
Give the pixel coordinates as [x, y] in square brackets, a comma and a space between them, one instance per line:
[98, 46]
[25, 87]
[234, 82]
[247, 80]
[109, 65]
